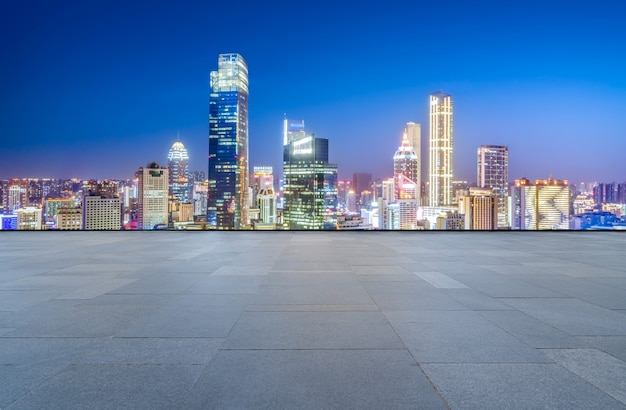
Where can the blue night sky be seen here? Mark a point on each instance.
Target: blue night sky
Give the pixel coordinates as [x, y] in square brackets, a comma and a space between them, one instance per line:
[95, 89]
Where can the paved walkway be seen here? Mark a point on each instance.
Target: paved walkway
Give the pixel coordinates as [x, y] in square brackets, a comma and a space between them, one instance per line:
[428, 320]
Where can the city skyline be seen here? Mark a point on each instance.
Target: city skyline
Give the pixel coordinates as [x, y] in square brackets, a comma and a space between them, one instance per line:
[102, 103]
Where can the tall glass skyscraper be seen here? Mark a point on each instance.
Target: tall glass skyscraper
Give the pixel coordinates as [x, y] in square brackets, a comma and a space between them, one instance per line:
[227, 205]
[178, 166]
[414, 133]
[310, 182]
[493, 172]
[441, 144]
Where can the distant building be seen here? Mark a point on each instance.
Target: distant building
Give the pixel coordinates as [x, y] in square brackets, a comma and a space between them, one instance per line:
[480, 208]
[361, 181]
[178, 173]
[352, 223]
[493, 172]
[69, 219]
[310, 183]
[388, 215]
[28, 219]
[102, 208]
[544, 204]
[441, 145]
[52, 207]
[8, 222]
[266, 203]
[152, 197]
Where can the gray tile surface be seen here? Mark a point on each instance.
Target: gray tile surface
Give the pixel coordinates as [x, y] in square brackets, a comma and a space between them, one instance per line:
[516, 386]
[312, 320]
[314, 379]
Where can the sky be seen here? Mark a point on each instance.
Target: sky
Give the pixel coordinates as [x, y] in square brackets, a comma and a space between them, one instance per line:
[97, 89]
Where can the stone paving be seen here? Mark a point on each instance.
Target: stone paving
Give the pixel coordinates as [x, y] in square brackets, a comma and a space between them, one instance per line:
[319, 320]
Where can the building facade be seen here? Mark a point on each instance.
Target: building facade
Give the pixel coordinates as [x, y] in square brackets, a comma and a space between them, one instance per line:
[228, 174]
[178, 170]
[480, 208]
[414, 132]
[493, 172]
[152, 196]
[441, 145]
[102, 207]
[310, 184]
[542, 205]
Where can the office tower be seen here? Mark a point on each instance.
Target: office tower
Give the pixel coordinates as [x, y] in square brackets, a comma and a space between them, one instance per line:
[310, 183]
[152, 203]
[178, 170]
[227, 205]
[441, 144]
[493, 172]
[414, 132]
[542, 205]
[292, 129]
[102, 207]
[28, 218]
[480, 208]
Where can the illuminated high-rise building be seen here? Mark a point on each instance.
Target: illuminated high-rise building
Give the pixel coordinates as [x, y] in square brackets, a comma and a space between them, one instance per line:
[493, 172]
[540, 206]
[405, 170]
[152, 196]
[414, 132]
[441, 144]
[310, 183]
[178, 169]
[227, 205]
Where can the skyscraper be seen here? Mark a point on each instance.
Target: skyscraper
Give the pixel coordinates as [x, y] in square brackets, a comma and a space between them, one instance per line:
[178, 169]
[441, 144]
[414, 133]
[152, 196]
[227, 205]
[405, 170]
[493, 172]
[310, 183]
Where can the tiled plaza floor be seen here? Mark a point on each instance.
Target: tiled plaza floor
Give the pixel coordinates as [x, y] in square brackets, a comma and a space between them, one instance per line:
[319, 320]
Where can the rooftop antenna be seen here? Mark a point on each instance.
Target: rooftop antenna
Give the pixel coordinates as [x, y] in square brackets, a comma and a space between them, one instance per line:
[178, 135]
